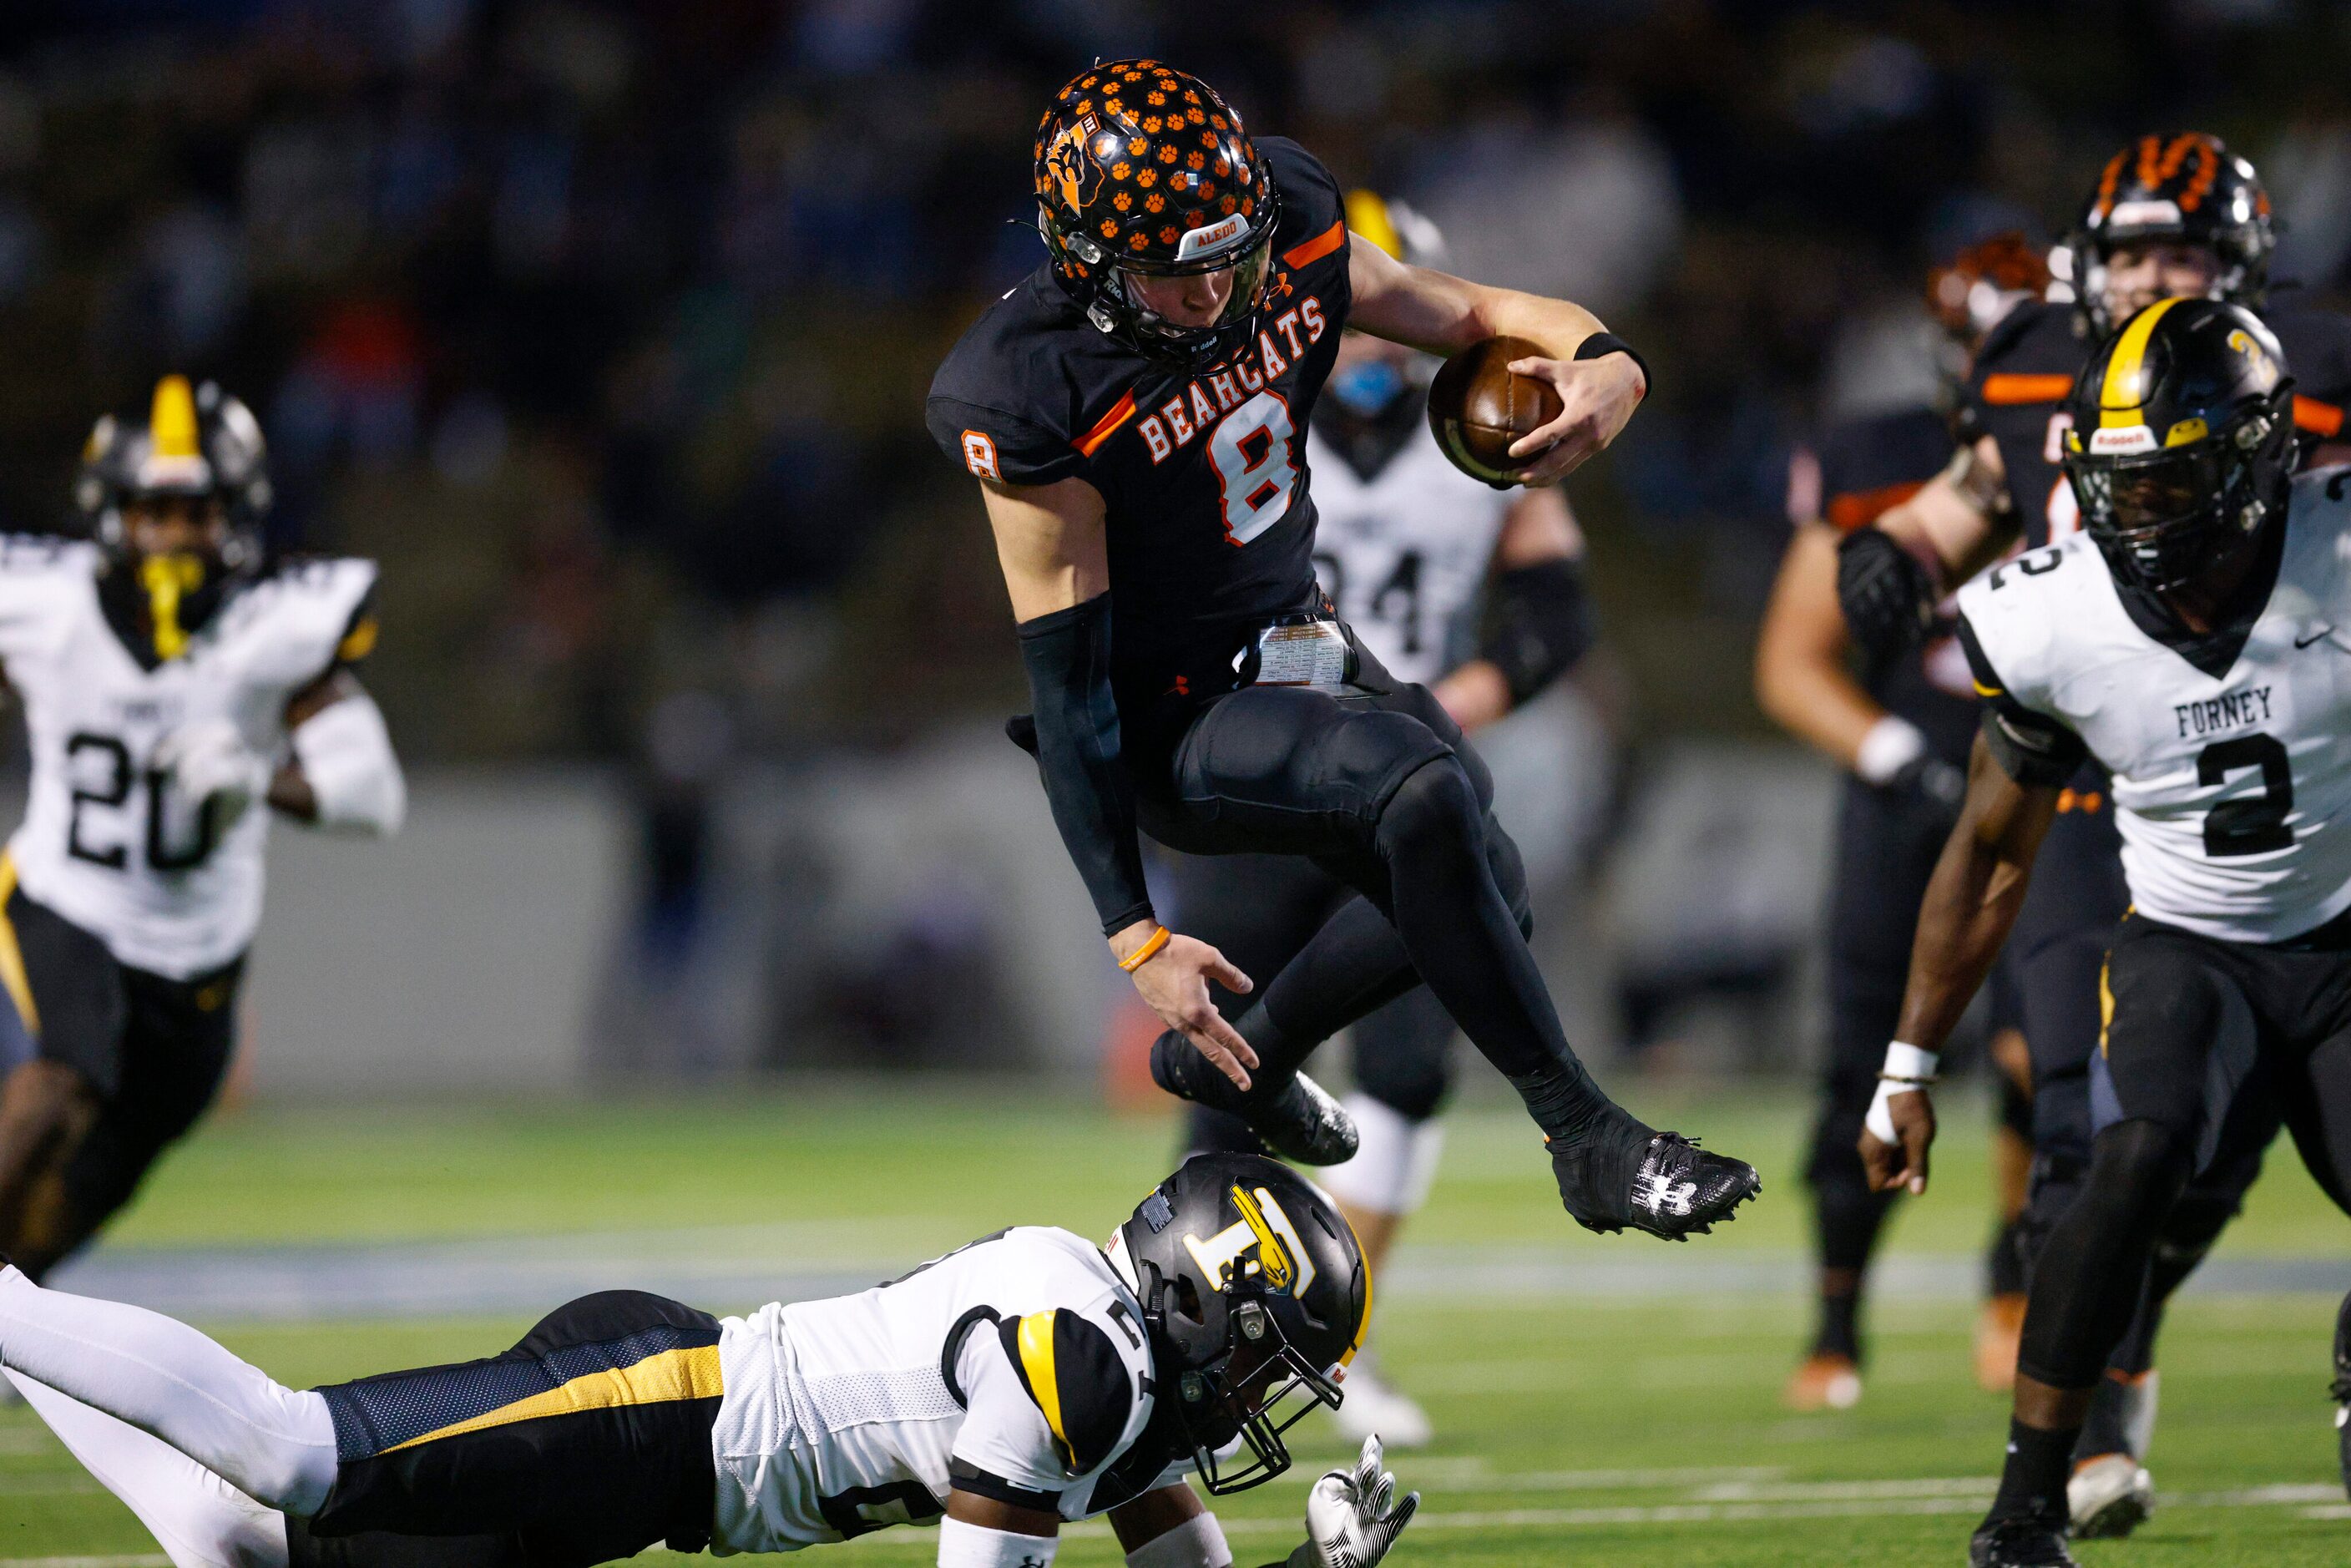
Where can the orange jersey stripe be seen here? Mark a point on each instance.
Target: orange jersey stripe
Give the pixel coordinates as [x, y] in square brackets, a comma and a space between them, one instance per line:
[1318, 247]
[2322, 420]
[1859, 508]
[2005, 391]
[1120, 412]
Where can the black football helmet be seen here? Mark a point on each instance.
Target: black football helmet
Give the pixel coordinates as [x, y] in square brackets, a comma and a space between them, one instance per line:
[197, 443]
[2187, 187]
[1145, 171]
[2181, 448]
[1256, 1296]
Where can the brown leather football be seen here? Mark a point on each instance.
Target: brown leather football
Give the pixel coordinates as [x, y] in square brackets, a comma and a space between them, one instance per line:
[1476, 408]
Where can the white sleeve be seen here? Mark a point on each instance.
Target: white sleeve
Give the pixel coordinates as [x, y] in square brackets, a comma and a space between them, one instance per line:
[1005, 1449]
[964, 1545]
[346, 755]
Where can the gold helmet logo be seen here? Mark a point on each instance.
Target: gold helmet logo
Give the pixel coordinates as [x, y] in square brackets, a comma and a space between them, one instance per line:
[1264, 1241]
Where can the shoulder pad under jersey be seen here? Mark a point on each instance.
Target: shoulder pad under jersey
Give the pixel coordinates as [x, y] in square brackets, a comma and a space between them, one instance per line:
[2031, 357]
[1072, 1369]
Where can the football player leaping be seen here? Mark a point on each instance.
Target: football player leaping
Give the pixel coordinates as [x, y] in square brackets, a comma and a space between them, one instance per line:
[1027, 1380]
[1405, 548]
[2169, 216]
[173, 684]
[2192, 644]
[1134, 414]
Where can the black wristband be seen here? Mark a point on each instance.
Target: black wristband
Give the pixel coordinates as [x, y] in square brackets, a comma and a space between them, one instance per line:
[1601, 343]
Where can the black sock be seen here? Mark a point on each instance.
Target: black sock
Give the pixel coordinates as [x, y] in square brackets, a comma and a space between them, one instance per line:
[1840, 1327]
[2033, 1482]
[1567, 1104]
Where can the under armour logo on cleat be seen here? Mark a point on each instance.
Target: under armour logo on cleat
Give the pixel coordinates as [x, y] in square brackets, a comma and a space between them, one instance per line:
[1661, 1194]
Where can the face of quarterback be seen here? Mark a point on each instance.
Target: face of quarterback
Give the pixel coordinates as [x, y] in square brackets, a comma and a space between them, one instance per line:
[176, 524]
[2142, 272]
[1198, 300]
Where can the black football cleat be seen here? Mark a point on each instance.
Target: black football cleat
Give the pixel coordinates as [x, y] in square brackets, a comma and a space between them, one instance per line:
[1302, 1123]
[2029, 1542]
[1658, 1182]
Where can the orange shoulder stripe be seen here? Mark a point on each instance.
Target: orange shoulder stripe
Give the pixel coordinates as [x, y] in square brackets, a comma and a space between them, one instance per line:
[2005, 390]
[2324, 420]
[1120, 412]
[1859, 508]
[1318, 247]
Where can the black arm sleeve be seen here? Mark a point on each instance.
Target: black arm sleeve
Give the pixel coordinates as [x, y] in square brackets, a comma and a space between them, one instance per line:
[1540, 625]
[2037, 751]
[1067, 654]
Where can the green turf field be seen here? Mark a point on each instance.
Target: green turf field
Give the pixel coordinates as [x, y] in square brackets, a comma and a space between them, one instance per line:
[1634, 1422]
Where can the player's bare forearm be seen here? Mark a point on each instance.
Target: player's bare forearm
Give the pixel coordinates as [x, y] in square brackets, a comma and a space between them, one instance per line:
[1050, 541]
[1972, 899]
[1475, 693]
[1959, 521]
[1801, 680]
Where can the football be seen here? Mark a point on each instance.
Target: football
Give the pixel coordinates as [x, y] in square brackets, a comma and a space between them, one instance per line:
[1476, 408]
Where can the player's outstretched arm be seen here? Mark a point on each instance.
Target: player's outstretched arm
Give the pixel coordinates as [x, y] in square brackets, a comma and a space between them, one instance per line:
[983, 1532]
[1598, 378]
[1050, 542]
[1970, 905]
[343, 774]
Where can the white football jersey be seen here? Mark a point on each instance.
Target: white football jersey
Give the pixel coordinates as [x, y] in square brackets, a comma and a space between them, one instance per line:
[106, 841]
[1404, 555]
[1015, 1367]
[2233, 792]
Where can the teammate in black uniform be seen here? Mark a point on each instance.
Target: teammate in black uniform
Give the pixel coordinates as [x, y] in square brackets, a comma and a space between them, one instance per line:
[1902, 731]
[1132, 411]
[2176, 214]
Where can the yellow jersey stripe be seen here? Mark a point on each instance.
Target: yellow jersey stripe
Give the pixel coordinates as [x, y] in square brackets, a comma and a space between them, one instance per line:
[1036, 1339]
[12, 957]
[673, 1374]
[2119, 397]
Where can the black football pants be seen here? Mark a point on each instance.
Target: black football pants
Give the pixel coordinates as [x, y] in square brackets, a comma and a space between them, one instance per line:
[1382, 791]
[2210, 1041]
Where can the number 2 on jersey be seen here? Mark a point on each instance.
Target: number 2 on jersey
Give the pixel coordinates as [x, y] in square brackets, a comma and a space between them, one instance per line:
[1255, 472]
[2257, 824]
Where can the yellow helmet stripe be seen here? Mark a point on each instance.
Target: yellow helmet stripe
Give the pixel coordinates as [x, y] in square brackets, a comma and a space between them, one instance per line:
[1036, 1339]
[2119, 397]
[171, 422]
[1367, 219]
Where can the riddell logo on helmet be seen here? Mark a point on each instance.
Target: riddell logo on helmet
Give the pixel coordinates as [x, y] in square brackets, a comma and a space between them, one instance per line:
[2123, 439]
[2143, 215]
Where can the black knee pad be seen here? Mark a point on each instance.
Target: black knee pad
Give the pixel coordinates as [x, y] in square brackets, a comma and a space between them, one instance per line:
[1436, 799]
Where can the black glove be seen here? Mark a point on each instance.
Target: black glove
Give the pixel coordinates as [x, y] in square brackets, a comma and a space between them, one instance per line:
[1886, 596]
[1931, 791]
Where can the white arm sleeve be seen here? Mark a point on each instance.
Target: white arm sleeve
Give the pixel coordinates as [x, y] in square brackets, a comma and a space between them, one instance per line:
[964, 1545]
[346, 756]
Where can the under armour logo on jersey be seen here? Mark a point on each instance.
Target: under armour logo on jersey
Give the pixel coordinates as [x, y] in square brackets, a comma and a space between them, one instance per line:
[1661, 1194]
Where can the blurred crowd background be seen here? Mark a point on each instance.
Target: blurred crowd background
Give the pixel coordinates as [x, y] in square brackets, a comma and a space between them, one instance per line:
[606, 325]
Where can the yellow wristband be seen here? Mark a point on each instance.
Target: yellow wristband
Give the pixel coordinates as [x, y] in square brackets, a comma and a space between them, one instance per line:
[1143, 954]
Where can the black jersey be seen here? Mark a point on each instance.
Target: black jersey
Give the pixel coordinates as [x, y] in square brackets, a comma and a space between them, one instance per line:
[2025, 369]
[1210, 525]
[1868, 465]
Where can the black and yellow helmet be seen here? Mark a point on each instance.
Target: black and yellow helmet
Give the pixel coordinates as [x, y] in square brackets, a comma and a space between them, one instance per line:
[1255, 1294]
[2182, 448]
[197, 440]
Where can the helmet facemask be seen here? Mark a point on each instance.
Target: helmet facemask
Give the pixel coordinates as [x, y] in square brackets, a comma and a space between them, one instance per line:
[1259, 1389]
[2165, 519]
[1117, 309]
